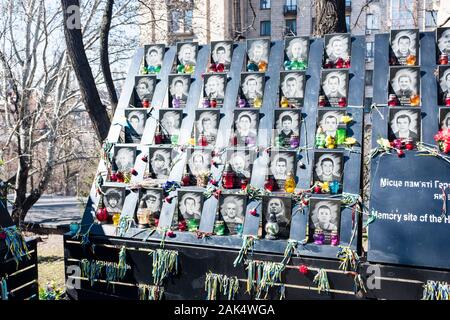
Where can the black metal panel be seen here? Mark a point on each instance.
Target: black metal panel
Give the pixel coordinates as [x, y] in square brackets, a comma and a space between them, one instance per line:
[357, 72]
[381, 70]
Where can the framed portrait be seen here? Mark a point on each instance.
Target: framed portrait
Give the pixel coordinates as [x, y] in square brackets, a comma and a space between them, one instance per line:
[444, 83]
[198, 160]
[405, 43]
[246, 124]
[328, 119]
[179, 86]
[144, 87]
[276, 214]
[187, 53]
[154, 55]
[334, 85]
[150, 204]
[136, 124]
[170, 123]
[222, 52]
[324, 218]
[444, 118]
[281, 164]
[296, 48]
[214, 87]
[159, 162]
[286, 127]
[207, 125]
[232, 209]
[124, 157]
[113, 198]
[252, 86]
[258, 50]
[241, 161]
[404, 83]
[190, 204]
[404, 123]
[443, 40]
[292, 86]
[328, 166]
[337, 46]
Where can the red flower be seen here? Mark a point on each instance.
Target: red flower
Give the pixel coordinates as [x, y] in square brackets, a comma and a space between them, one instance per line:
[2, 235]
[168, 199]
[170, 234]
[303, 269]
[253, 212]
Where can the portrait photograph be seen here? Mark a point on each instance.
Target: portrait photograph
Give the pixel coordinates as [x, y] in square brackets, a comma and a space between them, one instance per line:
[328, 166]
[170, 123]
[335, 85]
[207, 124]
[252, 86]
[143, 89]
[404, 123]
[154, 55]
[404, 83]
[328, 119]
[258, 50]
[199, 161]
[124, 158]
[276, 214]
[113, 198]
[232, 208]
[241, 161]
[324, 216]
[222, 52]
[187, 53]
[287, 124]
[190, 204]
[136, 119]
[281, 164]
[443, 40]
[246, 123]
[444, 83]
[150, 203]
[405, 43]
[292, 86]
[160, 162]
[444, 118]
[179, 86]
[296, 48]
[337, 46]
[214, 87]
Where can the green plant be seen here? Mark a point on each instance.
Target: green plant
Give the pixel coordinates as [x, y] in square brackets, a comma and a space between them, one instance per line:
[51, 292]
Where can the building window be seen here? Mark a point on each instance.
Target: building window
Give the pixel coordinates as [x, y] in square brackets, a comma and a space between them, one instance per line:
[348, 3]
[370, 50]
[403, 14]
[291, 27]
[181, 21]
[369, 77]
[291, 2]
[264, 4]
[347, 22]
[265, 28]
[372, 22]
[430, 19]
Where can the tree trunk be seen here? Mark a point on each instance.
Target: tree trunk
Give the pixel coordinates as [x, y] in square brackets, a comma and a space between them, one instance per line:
[89, 93]
[330, 17]
[104, 54]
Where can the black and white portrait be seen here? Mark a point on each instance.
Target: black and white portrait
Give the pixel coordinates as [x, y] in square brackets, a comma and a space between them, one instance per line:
[324, 216]
[252, 86]
[287, 125]
[232, 208]
[404, 43]
[444, 118]
[160, 161]
[214, 87]
[144, 89]
[296, 48]
[136, 119]
[187, 53]
[170, 123]
[246, 123]
[292, 84]
[199, 161]
[443, 40]
[190, 204]
[258, 50]
[222, 52]
[152, 199]
[281, 164]
[179, 90]
[337, 46]
[124, 157]
[329, 119]
[241, 161]
[154, 55]
[328, 166]
[444, 83]
[334, 85]
[404, 123]
[207, 125]
[113, 198]
[405, 83]
[277, 213]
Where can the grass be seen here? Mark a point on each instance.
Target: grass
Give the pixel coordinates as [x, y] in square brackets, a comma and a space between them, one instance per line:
[51, 260]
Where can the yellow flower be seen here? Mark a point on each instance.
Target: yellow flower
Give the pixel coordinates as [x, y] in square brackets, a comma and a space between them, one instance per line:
[346, 119]
[191, 141]
[384, 143]
[325, 187]
[350, 141]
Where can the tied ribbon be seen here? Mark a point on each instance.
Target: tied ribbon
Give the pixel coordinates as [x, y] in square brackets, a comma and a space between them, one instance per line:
[91, 270]
[247, 244]
[263, 275]
[4, 289]
[321, 280]
[15, 244]
[165, 262]
[290, 249]
[124, 225]
[435, 290]
[84, 236]
[228, 286]
[349, 259]
[147, 292]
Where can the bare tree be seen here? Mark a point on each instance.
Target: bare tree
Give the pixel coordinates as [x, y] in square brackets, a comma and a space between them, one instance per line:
[330, 17]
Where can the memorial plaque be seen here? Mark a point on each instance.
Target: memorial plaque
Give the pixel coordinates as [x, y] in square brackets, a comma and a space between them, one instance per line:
[214, 87]
[335, 85]
[296, 48]
[328, 120]
[404, 83]
[187, 53]
[199, 161]
[246, 124]
[143, 90]
[154, 55]
[241, 162]
[444, 118]
[170, 124]
[328, 166]
[232, 211]
[443, 40]
[443, 84]
[190, 204]
[337, 46]
[281, 164]
[252, 87]
[206, 127]
[113, 198]
[292, 87]
[405, 123]
[405, 46]
[150, 204]
[136, 123]
[287, 128]
[277, 213]
[124, 158]
[324, 220]
[160, 162]
[258, 50]
[179, 86]
[222, 52]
